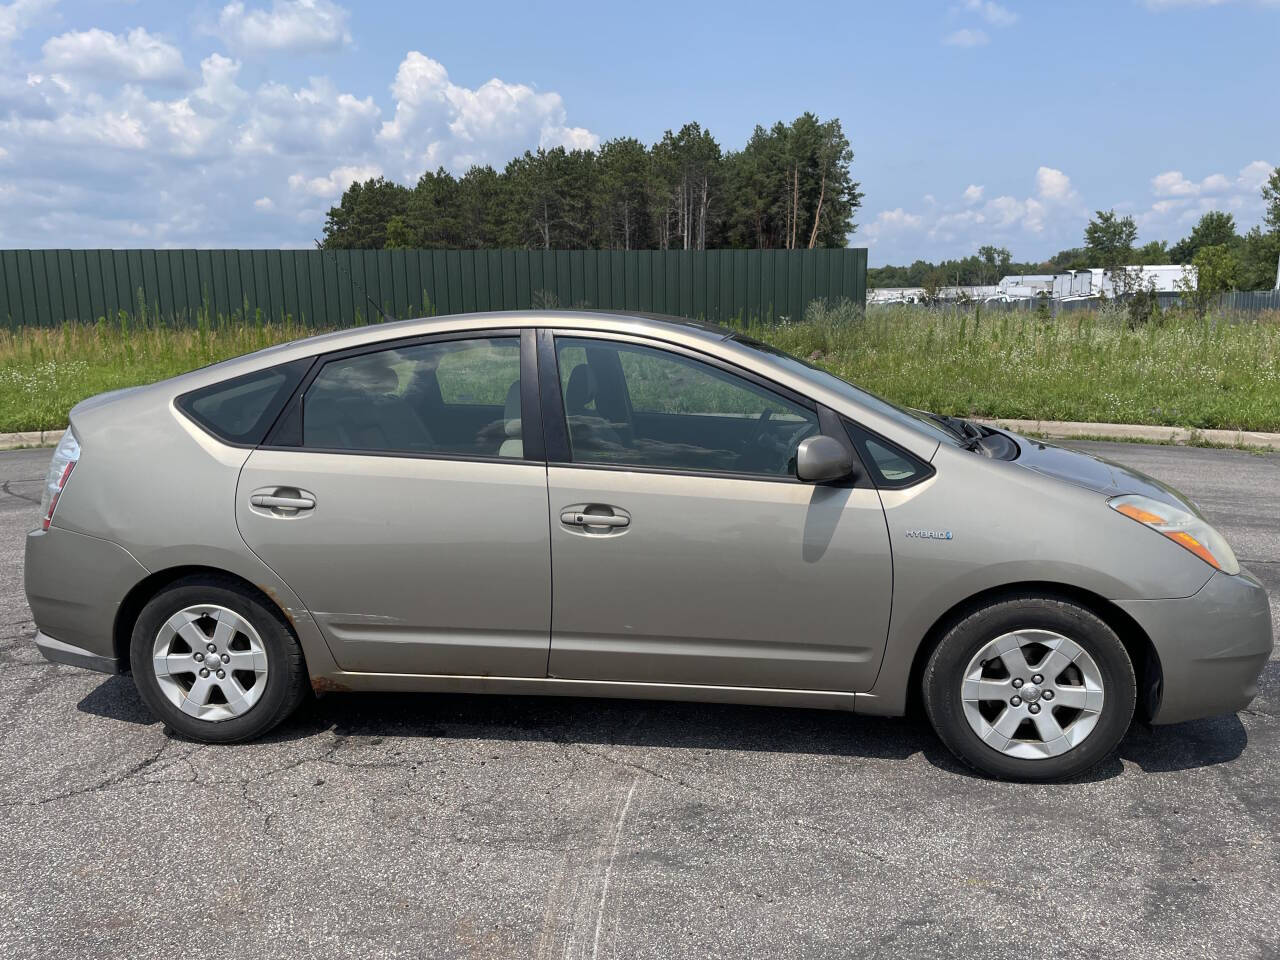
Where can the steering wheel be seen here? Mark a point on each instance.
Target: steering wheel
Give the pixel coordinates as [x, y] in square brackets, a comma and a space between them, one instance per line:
[769, 450]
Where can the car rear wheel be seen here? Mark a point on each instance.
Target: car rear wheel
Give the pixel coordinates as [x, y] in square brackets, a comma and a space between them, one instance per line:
[1030, 688]
[215, 662]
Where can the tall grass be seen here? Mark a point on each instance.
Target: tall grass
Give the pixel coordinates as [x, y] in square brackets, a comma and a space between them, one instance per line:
[45, 371]
[1082, 366]
[1088, 366]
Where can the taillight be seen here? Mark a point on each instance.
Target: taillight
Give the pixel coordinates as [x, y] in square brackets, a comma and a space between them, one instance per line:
[65, 456]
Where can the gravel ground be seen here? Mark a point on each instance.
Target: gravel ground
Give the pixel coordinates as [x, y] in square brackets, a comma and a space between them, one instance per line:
[458, 826]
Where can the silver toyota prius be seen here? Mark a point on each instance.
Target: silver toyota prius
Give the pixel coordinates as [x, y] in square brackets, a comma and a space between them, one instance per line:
[614, 505]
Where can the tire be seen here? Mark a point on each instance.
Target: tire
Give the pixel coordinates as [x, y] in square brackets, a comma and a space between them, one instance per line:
[264, 676]
[981, 694]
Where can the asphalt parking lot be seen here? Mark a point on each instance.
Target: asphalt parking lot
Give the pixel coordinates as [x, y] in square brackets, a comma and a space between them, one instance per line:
[459, 826]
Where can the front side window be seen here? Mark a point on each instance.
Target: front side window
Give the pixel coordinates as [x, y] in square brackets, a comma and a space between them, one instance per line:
[638, 406]
[456, 397]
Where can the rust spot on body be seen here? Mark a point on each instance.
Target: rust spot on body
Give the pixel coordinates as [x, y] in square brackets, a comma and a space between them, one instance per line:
[323, 685]
[275, 598]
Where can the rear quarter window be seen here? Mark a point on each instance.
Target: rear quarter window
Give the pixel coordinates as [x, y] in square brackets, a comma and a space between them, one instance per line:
[242, 409]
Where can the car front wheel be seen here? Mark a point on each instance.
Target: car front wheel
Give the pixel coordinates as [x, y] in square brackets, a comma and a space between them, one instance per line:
[1030, 688]
[215, 662]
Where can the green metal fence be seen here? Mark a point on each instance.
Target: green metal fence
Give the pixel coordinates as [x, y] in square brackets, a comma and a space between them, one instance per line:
[329, 288]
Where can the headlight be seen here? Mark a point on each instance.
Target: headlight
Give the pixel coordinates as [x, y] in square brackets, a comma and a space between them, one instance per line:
[1182, 527]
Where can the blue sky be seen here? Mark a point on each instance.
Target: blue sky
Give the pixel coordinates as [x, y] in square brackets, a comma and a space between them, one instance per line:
[239, 124]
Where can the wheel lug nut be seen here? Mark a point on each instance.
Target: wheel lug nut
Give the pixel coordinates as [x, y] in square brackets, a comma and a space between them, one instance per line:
[211, 648]
[1037, 679]
[1048, 694]
[199, 657]
[204, 672]
[226, 658]
[222, 674]
[1015, 702]
[1017, 682]
[1034, 708]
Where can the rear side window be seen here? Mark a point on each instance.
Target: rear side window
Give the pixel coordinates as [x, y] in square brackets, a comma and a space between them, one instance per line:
[242, 409]
[454, 397]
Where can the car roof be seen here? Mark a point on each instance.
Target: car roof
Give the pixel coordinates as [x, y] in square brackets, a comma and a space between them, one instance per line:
[621, 321]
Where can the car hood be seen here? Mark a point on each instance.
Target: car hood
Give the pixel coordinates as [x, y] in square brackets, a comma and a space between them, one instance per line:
[1095, 473]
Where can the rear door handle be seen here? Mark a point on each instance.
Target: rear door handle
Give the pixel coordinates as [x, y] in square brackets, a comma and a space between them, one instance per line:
[575, 517]
[286, 503]
[282, 501]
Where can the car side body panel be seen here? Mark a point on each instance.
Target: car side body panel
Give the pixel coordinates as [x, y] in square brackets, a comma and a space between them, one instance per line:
[719, 580]
[412, 564]
[152, 482]
[965, 531]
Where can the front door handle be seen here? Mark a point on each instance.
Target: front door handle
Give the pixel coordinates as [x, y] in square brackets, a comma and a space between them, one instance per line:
[578, 517]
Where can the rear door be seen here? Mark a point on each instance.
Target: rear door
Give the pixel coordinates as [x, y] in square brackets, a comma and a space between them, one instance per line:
[684, 549]
[403, 497]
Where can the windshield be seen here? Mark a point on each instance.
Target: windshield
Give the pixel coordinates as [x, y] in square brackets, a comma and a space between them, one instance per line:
[912, 419]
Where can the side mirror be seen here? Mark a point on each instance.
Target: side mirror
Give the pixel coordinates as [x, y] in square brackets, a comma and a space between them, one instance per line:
[822, 460]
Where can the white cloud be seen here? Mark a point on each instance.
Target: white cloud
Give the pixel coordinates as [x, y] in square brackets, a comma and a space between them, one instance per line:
[437, 122]
[966, 37]
[290, 26]
[1053, 185]
[137, 55]
[1053, 215]
[993, 13]
[223, 161]
[1182, 201]
[894, 221]
[1215, 183]
[1254, 175]
[1172, 183]
[17, 17]
[331, 187]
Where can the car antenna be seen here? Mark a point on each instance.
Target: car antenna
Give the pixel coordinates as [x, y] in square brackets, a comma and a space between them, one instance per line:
[352, 280]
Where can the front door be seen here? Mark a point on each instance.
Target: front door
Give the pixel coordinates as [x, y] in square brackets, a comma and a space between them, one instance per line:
[684, 550]
[410, 516]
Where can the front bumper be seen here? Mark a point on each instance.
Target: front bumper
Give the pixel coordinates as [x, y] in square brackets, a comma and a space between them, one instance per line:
[1212, 646]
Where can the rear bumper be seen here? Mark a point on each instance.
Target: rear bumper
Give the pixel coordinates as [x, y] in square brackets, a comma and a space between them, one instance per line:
[58, 652]
[75, 584]
[1212, 646]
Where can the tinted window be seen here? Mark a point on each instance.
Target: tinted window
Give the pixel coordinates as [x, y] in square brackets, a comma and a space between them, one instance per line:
[639, 406]
[912, 419]
[241, 410]
[454, 397]
[890, 465]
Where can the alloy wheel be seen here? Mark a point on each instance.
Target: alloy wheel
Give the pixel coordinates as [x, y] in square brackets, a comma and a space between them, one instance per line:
[210, 662]
[1032, 694]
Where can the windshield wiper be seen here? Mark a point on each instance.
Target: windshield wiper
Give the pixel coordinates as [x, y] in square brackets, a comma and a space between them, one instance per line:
[969, 435]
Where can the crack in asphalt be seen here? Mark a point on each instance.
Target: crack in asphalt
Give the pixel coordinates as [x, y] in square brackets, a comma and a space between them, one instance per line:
[21, 496]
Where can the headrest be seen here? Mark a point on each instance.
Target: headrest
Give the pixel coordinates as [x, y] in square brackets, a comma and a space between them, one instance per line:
[580, 390]
[511, 410]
